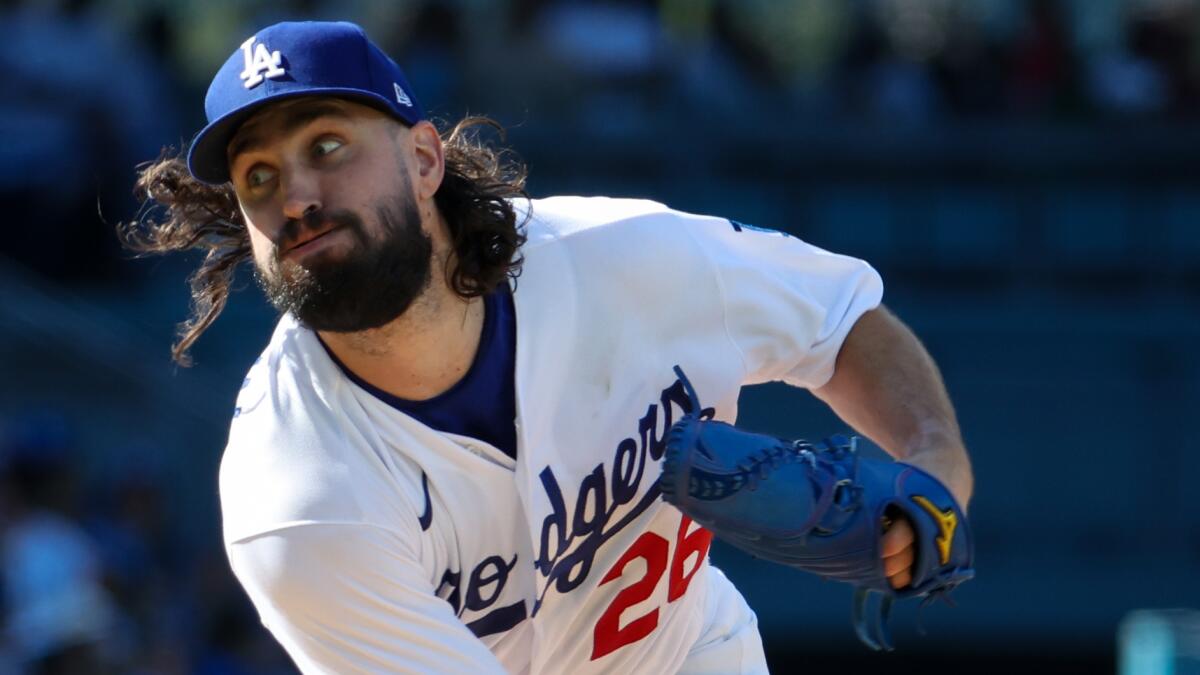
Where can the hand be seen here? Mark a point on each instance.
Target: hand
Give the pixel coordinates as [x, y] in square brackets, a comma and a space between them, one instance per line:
[897, 547]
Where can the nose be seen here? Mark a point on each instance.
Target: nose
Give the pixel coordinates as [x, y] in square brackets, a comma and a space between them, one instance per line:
[301, 194]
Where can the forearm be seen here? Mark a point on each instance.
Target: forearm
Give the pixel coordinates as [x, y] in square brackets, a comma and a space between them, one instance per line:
[888, 388]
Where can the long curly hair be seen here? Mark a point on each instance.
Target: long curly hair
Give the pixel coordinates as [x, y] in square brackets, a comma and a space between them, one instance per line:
[180, 213]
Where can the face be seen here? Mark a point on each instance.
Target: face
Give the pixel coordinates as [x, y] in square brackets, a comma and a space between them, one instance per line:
[327, 191]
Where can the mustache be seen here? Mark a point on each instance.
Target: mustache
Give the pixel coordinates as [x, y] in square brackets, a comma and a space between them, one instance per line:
[294, 228]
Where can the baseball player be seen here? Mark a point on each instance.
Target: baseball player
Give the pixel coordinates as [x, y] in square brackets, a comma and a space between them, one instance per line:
[435, 466]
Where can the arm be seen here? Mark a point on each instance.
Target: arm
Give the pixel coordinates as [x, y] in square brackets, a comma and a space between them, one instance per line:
[352, 599]
[887, 387]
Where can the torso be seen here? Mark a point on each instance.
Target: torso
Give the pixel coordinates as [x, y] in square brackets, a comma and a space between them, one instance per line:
[564, 560]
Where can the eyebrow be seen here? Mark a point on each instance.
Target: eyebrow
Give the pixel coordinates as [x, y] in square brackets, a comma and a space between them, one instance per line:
[293, 119]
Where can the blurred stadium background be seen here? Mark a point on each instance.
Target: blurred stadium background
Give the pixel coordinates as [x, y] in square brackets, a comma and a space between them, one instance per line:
[1022, 172]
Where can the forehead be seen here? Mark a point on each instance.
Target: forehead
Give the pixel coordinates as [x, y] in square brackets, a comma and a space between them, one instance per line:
[286, 117]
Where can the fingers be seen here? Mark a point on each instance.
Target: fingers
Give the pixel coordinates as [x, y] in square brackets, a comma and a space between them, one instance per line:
[898, 568]
[900, 580]
[897, 537]
[897, 549]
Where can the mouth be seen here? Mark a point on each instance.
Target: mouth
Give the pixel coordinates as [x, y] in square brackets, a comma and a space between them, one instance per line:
[309, 241]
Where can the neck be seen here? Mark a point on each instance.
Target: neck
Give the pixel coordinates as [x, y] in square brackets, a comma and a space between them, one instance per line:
[423, 352]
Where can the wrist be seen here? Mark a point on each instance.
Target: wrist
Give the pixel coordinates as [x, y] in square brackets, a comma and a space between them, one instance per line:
[950, 465]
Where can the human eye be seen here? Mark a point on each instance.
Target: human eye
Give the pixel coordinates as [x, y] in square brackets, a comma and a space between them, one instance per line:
[259, 175]
[326, 145]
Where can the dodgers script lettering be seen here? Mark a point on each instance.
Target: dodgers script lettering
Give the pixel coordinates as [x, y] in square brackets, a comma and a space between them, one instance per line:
[484, 586]
[572, 535]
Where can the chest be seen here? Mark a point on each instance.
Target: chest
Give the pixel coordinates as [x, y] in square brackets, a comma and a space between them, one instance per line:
[475, 545]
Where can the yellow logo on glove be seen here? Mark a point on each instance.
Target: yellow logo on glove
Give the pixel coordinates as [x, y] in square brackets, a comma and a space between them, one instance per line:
[946, 521]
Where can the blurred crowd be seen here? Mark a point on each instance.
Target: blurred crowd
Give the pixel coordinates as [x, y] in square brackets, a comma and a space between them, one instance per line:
[101, 575]
[92, 87]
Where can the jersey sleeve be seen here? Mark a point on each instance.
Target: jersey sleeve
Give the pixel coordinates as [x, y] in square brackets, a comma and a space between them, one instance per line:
[345, 598]
[788, 304]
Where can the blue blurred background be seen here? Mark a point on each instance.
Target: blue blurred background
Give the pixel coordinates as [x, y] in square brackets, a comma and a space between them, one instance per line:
[1023, 173]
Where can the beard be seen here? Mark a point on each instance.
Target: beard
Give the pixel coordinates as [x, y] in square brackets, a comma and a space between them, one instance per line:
[366, 288]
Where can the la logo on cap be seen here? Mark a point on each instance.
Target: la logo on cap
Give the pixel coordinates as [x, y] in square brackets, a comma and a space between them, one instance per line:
[260, 64]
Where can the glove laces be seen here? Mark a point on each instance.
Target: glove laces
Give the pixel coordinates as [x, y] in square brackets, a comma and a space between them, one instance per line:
[759, 465]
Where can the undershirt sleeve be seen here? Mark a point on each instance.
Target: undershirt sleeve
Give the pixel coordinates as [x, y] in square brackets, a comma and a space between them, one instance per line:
[345, 598]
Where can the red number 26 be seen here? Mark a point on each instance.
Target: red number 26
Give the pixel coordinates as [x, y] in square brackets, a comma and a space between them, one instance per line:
[609, 635]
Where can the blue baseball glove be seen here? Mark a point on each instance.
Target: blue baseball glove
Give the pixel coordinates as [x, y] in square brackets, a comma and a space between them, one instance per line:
[817, 507]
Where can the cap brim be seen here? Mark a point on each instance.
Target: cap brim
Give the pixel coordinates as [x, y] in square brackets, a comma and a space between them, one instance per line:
[207, 159]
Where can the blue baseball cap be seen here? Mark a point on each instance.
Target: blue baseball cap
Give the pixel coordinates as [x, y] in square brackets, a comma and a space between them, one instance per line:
[288, 60]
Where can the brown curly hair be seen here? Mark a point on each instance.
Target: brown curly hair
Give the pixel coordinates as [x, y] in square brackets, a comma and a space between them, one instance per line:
[180, 213]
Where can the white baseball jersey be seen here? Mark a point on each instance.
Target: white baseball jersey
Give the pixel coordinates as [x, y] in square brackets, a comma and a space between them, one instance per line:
[370, 542]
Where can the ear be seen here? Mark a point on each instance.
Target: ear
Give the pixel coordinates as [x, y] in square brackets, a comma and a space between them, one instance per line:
[430, 159]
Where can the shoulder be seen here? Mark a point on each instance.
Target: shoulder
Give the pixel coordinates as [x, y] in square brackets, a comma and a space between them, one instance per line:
[603, 236]
[295, 453]
[566, 217]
